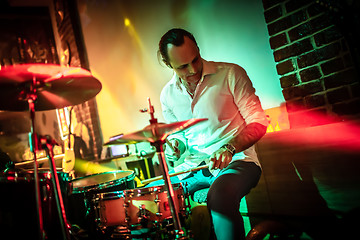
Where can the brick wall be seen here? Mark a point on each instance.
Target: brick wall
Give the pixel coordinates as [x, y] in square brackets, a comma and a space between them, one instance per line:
[70, 32]
[317, 59]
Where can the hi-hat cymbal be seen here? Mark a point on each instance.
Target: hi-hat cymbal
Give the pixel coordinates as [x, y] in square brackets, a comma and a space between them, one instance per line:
[155, 132]
[55, 86]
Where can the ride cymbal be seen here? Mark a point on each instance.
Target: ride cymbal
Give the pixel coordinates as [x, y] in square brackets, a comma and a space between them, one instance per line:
[50, 86]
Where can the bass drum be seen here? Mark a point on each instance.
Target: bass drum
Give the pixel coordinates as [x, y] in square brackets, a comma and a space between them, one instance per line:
[18, 211]
[84, 189]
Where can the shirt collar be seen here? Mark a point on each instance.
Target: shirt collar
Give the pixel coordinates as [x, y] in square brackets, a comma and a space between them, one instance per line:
[208, 68]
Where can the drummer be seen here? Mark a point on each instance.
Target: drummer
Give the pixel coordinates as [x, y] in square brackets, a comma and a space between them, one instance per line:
[222, 93]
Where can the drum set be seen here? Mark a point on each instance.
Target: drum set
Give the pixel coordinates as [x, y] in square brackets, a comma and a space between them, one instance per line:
[50, 204]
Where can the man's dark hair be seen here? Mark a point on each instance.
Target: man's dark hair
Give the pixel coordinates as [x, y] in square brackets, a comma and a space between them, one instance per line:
[175, 37]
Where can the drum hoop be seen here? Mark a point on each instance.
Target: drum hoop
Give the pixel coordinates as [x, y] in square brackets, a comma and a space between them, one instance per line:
[28, 175]
[110, 195]
[136, 192]
[103, 185]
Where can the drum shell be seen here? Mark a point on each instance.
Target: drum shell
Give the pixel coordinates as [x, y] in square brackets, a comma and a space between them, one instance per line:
[137, 208]
[18, 214]
[81, 207]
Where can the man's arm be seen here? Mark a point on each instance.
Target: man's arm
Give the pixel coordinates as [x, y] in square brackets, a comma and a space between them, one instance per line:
[252, 133]
[250, 109]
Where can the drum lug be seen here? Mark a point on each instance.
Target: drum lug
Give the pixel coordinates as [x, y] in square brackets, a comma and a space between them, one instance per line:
[121, 232]
[98, 220]
[46, 191]
[143, 213]
[127, 219]
[102, 228]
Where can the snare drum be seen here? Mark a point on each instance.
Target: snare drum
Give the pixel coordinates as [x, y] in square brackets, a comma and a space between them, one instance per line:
[18, 214]
[84, 189]
[138, 208]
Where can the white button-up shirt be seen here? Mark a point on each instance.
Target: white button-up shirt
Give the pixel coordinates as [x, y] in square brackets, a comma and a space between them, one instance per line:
[226, 97]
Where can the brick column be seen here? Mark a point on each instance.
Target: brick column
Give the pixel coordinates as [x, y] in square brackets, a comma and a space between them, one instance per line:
[316, 66]
[70, 32]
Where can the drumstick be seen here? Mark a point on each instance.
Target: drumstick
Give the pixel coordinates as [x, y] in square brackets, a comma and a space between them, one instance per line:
[170, 145]
[146, 181]
[43, 159]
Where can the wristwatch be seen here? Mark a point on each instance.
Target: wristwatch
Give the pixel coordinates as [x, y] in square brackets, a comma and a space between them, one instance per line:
[230, 148]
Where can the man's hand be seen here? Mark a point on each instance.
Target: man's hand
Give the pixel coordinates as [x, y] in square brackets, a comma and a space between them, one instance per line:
[220, 159]
[174, 150]
[245, 139]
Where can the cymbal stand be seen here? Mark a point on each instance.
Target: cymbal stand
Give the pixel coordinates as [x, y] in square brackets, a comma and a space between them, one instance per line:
[29, 94]
[48, 145]
[158, 144]
[31, 97]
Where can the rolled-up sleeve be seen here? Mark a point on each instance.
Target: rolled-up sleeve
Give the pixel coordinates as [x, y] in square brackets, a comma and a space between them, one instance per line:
[246, 100]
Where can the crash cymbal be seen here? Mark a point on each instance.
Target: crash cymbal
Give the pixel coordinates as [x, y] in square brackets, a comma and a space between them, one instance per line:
[54, 86]
[155, 132]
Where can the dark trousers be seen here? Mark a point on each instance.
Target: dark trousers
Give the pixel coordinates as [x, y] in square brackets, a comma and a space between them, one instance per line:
[225, 193]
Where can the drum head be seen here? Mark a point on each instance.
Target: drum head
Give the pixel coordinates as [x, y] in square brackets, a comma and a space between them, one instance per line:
[101, 180]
